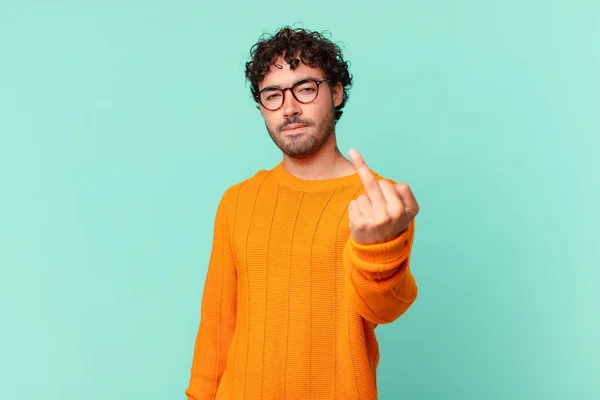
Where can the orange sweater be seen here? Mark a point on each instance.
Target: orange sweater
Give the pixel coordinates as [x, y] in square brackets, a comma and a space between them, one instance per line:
[291, 302]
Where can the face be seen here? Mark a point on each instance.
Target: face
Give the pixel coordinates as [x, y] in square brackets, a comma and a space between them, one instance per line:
[298, 129]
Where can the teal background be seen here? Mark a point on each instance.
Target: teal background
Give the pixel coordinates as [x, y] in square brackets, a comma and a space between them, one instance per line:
[122, 122]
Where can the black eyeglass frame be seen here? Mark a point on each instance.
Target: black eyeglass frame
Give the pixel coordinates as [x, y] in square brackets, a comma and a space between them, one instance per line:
[290, 88]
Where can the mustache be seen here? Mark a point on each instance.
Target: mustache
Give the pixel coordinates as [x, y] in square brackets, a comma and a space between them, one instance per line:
[295, 120]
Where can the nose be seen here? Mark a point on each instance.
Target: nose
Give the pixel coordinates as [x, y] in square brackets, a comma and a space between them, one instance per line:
[291, 106]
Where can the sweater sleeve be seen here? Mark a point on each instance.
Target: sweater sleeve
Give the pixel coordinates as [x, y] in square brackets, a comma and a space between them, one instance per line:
[378, 278]
[217, 316]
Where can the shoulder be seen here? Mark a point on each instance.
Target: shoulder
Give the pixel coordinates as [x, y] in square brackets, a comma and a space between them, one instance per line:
[247, 187]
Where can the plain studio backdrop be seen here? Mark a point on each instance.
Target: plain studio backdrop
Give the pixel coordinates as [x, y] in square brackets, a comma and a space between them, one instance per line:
[122, 123]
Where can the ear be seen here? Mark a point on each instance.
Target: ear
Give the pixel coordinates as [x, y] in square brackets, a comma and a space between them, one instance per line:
[338, 94]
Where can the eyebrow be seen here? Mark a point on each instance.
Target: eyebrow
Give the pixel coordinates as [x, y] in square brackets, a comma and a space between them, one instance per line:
[273, 87]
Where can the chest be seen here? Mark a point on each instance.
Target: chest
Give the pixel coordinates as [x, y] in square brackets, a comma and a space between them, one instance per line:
[291, 230]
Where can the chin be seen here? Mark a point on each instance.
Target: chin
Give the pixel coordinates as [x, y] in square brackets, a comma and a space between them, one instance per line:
[299, 155]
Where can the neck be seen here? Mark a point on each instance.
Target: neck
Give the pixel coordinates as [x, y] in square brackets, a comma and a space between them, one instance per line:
[327, 163]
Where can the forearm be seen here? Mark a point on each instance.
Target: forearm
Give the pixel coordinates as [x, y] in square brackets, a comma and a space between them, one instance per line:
[212, 345]
[378, 277]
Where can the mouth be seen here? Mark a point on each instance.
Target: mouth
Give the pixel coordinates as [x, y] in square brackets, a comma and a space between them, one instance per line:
[294, 127]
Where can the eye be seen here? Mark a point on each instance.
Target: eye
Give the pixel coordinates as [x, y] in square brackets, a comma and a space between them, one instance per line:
[305, 88]
[273, 96]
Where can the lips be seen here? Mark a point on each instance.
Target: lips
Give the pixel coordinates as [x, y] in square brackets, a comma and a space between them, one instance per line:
[294, 126]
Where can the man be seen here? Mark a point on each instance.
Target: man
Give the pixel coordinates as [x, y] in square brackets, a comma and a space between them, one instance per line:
[308, 257]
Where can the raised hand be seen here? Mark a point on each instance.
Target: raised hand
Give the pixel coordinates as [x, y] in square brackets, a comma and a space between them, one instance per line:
[384, 211]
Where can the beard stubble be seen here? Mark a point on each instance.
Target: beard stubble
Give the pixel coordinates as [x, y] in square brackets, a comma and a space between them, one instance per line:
[306, 143]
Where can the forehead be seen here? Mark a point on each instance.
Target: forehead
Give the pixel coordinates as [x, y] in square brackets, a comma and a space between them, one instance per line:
[281, 74]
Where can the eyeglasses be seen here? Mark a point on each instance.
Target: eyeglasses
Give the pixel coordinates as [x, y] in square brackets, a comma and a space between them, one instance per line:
[304, 91]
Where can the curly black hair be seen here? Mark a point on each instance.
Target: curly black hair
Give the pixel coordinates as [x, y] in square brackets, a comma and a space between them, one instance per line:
[312, 48]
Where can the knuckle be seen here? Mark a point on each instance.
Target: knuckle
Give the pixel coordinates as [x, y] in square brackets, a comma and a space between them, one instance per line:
[383, 220]
[359, 225]
[384, 182]
[396, 212]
